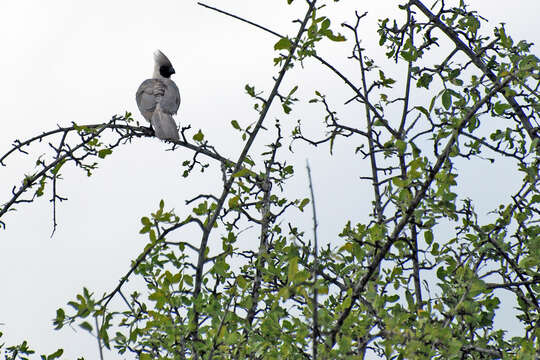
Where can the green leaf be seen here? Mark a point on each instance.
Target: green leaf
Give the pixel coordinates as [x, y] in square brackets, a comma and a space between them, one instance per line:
[500, 108]
[283, 44]
[528, 62]
[293, 268]
[86, 326]
[423, 110]
[407, 55]
[401, 146]
[235, 125]
[198, 136]
[104, 152]
[55, 354]
[233, 202]
[201, 209]
[41, 188]
[432, 103]
[325, 24]
[529, 261]
[56, 169]
[283, 293]
[399, 182]
[301, 276]
[441, 273]
[336, 38]
[221, 267]
[386, 82]
[242, 282]
[428, 236]
[293, 90]
[346, 302]
[303, 203]
[60, 317]
[424, 81]
[410, 300]
[447, 99]
[243, 173]
[435, 251]
[250, 90]
[248, 161]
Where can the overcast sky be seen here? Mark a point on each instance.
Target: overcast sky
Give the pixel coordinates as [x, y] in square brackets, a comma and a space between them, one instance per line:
[82, 61]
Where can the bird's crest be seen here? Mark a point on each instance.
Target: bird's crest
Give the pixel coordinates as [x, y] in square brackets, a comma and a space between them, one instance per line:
[161, 59]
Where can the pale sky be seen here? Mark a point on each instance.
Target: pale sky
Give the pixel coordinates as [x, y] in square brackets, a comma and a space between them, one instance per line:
[82, 61]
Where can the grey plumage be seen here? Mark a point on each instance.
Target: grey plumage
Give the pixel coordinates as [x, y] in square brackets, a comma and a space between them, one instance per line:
[158, 99]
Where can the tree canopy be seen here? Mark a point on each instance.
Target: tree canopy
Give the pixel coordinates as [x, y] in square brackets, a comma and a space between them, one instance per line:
[425, 277]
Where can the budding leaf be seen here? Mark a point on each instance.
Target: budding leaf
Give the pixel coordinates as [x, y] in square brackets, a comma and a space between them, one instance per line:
[198, 136]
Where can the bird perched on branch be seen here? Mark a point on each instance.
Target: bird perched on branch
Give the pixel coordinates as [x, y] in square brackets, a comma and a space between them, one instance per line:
[158, 99]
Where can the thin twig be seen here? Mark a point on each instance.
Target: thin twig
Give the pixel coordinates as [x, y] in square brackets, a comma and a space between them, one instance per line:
[315, 266]
[99, 339]
[325, 63]
[241, 19]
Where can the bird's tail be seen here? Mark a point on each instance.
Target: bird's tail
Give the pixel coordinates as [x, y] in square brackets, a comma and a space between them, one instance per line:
[164, 125]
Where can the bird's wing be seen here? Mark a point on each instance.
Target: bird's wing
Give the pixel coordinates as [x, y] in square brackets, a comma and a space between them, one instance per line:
[158, 100]
[170, 102]
[148, 95]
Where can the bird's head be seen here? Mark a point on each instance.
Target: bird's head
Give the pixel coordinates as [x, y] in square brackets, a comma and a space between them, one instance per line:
[162, 66]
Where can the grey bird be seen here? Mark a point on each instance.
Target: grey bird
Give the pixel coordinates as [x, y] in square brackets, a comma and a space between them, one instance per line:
[158, 99]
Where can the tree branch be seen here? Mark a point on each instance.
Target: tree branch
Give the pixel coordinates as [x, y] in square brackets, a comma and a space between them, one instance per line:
[477, 60]
[378, 258]
[227, 186]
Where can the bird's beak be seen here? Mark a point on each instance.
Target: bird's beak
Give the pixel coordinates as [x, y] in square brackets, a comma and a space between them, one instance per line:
[172, 71]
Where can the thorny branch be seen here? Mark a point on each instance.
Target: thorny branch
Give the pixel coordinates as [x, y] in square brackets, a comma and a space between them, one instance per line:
[479, 62]
[359, 94]
[265, 222]
[227, 186]
[66, 152]
[378, 258]
[401, 219]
